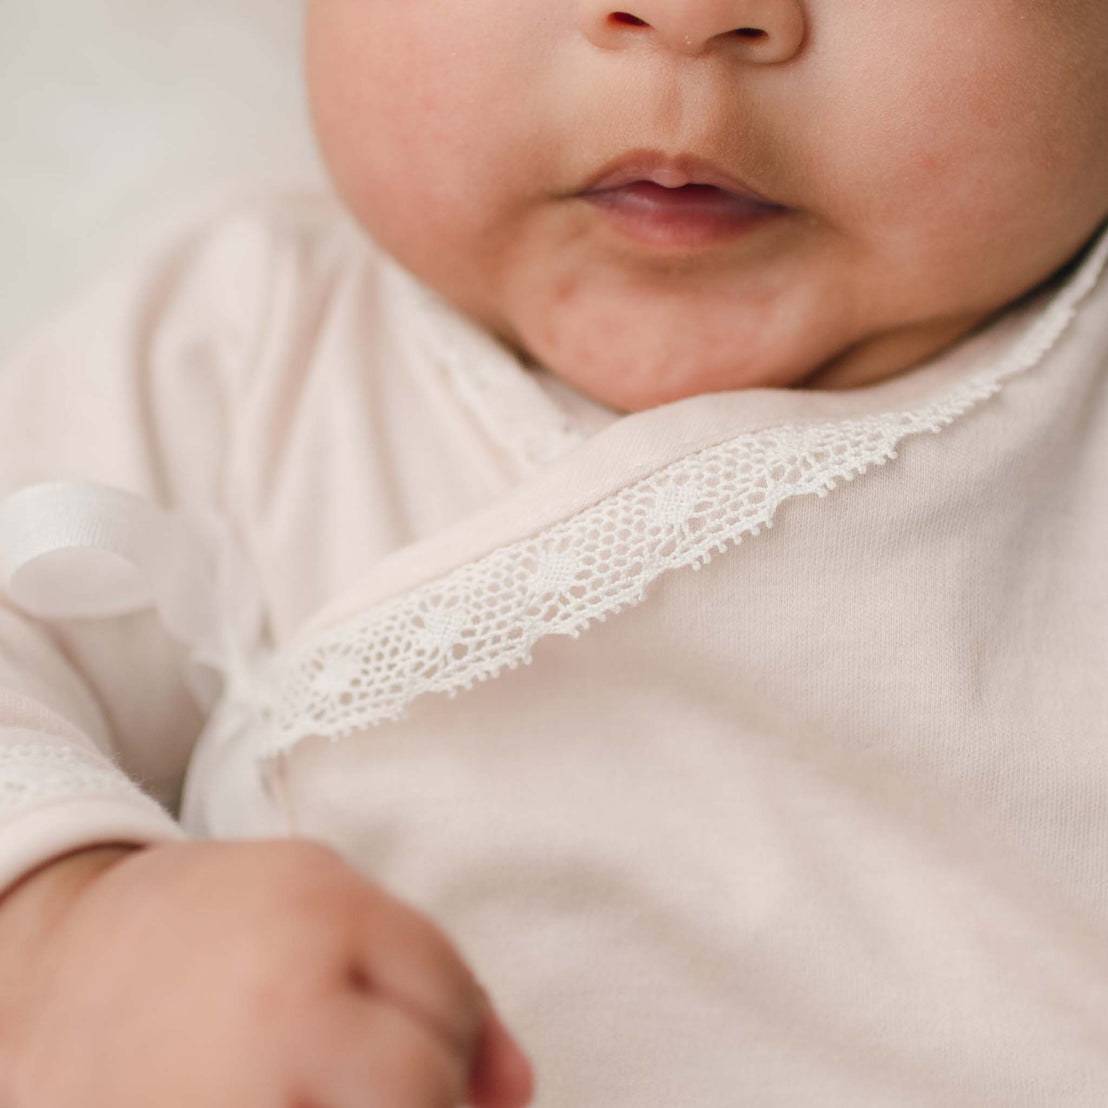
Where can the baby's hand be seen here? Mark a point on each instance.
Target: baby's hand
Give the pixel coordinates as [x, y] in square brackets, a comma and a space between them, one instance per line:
[237, 975]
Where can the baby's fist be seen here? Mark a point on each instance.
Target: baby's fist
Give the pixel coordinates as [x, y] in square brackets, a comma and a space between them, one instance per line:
[218, 975]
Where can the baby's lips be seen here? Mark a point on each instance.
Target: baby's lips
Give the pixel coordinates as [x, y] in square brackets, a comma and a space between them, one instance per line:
[502, 1075]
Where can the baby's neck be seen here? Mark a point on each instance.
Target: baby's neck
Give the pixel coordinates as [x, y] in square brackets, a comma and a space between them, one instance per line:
[888, 355]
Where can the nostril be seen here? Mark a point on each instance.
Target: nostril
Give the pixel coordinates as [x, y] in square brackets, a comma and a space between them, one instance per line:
[627, 17]
[751, 33]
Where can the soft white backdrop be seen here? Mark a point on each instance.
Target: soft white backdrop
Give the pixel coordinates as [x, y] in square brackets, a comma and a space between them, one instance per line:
[115, 114]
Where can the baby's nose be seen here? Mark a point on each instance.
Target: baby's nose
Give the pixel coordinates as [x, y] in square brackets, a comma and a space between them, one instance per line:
[764, 31]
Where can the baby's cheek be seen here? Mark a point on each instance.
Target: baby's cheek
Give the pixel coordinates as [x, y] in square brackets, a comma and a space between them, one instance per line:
[919, 107]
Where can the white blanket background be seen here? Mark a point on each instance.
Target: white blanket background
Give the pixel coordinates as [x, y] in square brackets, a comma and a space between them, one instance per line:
[115, 114]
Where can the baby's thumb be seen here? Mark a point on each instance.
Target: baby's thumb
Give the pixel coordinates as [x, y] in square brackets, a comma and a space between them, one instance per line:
[502, 1076]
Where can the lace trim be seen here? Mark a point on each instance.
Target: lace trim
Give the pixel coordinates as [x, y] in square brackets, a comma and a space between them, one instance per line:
[514, 410]
[487, 615]
[33, 772]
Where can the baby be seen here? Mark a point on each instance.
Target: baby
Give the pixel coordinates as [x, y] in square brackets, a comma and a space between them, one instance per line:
[823, 823]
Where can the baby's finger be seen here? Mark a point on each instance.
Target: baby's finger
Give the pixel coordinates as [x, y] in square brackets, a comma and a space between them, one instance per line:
[364, 1052]
[407, 960]
[502, 1075]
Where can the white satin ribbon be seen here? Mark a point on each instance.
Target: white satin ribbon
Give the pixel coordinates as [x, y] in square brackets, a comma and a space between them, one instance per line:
[79, 550]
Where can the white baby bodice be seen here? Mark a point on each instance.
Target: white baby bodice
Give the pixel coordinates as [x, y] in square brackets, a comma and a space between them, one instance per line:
[750, 748]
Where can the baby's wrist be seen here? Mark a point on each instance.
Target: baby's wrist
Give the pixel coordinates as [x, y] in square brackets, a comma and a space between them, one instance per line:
[29, 912]
[43, 894]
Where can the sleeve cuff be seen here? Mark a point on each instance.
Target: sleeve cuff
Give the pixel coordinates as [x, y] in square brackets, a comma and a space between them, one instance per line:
[47, 831]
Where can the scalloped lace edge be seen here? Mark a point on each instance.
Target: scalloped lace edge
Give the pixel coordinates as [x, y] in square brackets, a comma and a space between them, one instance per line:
[486, 616]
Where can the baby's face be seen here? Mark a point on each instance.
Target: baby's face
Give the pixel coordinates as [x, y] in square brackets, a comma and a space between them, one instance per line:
[898, 170]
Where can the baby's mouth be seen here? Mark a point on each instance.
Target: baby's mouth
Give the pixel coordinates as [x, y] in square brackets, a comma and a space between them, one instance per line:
[688, 198]
[686, 217]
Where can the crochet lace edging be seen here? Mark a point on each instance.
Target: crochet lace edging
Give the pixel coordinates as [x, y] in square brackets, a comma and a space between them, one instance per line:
[486, 616]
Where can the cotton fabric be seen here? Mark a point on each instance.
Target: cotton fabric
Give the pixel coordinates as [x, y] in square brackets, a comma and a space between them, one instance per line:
[820, 821]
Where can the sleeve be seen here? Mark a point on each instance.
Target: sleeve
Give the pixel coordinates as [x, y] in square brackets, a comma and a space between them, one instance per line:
[116, 423]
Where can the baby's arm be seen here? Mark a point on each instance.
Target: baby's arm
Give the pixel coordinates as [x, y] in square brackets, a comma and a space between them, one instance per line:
[172, 972]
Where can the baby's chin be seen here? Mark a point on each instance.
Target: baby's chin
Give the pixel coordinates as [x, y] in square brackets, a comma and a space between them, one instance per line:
[635, 377]
[632, 351]
[634, 356]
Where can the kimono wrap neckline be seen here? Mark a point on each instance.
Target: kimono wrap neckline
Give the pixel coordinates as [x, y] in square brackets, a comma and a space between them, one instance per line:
[661, 490]
[582, 538]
